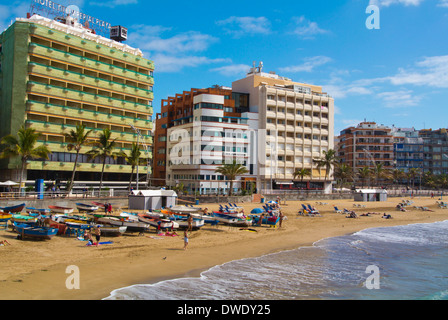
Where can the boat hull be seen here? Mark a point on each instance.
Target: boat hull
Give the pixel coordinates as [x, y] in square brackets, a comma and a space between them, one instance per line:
[63, 210]
[37, 233]
[13, 209]
[131, 226]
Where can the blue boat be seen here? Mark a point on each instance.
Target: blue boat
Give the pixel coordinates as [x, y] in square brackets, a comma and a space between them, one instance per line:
[40, 233]
[35, 212]
[13, 209]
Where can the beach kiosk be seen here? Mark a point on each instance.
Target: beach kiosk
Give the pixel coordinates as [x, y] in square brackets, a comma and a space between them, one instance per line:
[370, 195]
[151, 199]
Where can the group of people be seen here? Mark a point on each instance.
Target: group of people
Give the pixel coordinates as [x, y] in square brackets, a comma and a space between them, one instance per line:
[88, 236]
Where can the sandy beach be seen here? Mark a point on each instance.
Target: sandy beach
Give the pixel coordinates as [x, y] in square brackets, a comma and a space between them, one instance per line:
[32, 270]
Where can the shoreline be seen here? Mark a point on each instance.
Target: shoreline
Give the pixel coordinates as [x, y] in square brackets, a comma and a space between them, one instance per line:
[36, 270]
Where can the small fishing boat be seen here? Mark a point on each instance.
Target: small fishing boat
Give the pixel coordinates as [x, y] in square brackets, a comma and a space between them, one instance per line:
[63, 210]
[196, 223]
[82, 207]
[269, 220]
[157, 221]
[132, 226]
[5, 217]
[231, 220]
[112, 231]
[24, 219]
[62, 227]
[40, 233]
[13, 209]
[35, 212]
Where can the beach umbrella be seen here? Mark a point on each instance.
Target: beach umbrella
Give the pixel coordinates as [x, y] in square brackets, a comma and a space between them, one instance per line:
[9, 183]
[272, 202]
[257, 210]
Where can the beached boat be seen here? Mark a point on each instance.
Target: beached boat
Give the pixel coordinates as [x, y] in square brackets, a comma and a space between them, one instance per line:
[63, 210]
[20, 218]
[62, 227]
[36, 212]
[182, 220]
[132, 226]
[82, 207]
[111, 231]
[13, 209]
[231, 220]
[5, 217]
[40, 233]
[158, 220]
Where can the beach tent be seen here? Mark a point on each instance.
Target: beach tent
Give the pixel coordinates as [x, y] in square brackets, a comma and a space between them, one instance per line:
[370, 195]
[151, 199]
[257, 210]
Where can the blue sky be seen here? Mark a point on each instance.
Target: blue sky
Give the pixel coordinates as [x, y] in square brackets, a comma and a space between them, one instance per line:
[395, 75]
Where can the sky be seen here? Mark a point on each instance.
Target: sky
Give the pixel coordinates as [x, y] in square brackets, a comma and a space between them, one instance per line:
[393, 74]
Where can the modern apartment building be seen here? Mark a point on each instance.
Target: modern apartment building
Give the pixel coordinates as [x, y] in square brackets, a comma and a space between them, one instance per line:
[198, 131]
[56, 75]
[435, 150]
[366, 145]
[408, 149]
[294, 123]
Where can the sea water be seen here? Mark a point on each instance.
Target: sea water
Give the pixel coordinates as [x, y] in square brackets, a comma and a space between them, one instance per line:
[399, 263]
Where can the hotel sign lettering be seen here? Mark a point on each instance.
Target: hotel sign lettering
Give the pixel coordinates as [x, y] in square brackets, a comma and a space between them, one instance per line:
[53, 9]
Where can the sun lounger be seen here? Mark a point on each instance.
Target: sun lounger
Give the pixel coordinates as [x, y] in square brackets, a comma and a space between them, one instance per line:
[337, 210]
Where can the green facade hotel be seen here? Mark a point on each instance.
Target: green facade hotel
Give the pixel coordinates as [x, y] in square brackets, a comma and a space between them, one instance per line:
[54, 76]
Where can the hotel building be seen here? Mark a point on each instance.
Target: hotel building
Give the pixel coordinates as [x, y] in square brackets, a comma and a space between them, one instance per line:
[294, 123]
[197, 131]
[408, 149]
[56, 75]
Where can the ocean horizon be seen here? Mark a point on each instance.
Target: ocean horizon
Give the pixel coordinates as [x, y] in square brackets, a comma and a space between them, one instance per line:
[405, 262]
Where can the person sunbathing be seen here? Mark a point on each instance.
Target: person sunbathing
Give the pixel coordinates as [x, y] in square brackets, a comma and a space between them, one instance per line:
[386, 216]
[4, 243]
[352, 214]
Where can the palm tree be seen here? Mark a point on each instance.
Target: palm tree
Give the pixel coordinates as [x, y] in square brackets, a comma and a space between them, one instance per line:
[76, 139]
[133, 159]
[231, 171]
[24, 146]
[379, 172]
[397, 175]
[328, 161]
[343, 173]
[103, 148]
[301, 173]
[364, 173]
[412, 174]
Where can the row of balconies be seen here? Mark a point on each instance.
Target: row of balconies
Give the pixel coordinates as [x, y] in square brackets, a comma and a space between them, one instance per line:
[83, 167]
[85, 80]
[70, 94]
[83, 62]
[89, 115]
[58, 129]
[90, 45]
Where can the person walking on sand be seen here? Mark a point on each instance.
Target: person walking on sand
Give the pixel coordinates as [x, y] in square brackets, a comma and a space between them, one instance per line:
[98, 235]
[185, 240]
[281, 219]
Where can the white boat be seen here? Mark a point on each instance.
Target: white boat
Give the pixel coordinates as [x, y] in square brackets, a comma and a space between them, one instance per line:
[231, 220]
[112, 231]
[158, 221]
[132, 226]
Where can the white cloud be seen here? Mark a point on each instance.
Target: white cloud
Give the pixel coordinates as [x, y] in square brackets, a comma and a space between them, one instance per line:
[387, 3]
[232, 70]
[174, 52]
[171, 63]
[401, 98]
[239, 26]
[306, 29]
[443, 3]
[431, 71]
[309, 65]
[114, 3]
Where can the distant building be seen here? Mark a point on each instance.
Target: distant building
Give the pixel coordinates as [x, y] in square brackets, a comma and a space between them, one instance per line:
[408, 149]
[435, 150]
[366, 145]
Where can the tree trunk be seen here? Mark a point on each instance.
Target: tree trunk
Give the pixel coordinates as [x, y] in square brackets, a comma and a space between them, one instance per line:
[132, 176]
[22, 170]
[101, 180]
[73, 174]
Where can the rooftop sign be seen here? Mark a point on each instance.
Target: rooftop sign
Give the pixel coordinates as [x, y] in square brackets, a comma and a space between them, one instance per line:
[52, 10]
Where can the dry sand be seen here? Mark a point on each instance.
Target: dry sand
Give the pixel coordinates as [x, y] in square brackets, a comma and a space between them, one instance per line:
[37, 269]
